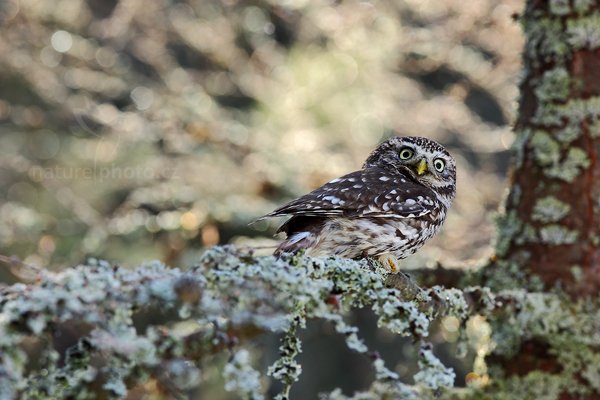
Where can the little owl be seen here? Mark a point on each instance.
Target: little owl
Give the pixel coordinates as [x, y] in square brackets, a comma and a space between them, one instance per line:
[387, 210]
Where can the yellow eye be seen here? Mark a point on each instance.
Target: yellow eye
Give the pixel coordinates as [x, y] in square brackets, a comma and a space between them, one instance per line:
[439, 164]
[406, 153]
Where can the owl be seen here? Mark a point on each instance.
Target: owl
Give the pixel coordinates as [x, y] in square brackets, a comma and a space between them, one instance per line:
[386, 210]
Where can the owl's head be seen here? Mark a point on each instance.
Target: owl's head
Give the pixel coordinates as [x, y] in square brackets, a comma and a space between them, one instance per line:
[425, 160]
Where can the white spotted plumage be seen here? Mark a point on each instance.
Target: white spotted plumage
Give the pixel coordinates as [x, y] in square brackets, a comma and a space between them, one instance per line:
[388, 208]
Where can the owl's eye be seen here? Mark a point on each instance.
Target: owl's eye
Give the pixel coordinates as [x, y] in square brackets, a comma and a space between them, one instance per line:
[439, 164]
[406, 153]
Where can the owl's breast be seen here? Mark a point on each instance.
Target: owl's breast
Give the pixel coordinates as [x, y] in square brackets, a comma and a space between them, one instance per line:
[359, 237]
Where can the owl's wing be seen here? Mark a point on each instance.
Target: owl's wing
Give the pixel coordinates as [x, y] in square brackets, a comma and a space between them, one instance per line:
[371, 192]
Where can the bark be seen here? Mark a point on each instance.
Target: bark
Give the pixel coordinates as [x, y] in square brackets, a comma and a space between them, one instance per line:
[550, 230]
[551, 225]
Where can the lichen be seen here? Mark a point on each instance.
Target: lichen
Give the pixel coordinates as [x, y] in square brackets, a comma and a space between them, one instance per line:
[241, 377]
[557, 235]
[528, 235]
[584, 32]
[227, 291]
[508, 226]
[286, 369]
[549, 209]
[567, 170]
[518, 147]
[553, 85]
[545, 149]
[582, 6]
[568, 134]
[433, 374]
[560, 7]
[231, 295]
[594, 128]
[544, 38]
[547, 153]
[535, 385]
[575, 111]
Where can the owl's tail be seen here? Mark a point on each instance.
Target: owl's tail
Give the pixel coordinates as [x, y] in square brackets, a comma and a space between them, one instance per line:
[296, 242]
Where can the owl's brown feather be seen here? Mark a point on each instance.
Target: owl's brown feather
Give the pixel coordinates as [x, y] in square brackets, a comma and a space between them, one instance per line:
[373, 192]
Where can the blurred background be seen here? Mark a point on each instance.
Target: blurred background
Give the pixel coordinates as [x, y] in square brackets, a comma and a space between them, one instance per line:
[133, 130]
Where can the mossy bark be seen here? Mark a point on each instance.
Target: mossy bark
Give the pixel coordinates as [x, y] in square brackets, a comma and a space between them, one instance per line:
[550, 230]
[551, 225]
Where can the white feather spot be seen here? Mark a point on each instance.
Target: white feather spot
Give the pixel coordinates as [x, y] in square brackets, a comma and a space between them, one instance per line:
[332, 199]
[384, 178]
[296, 237]
[410, 202]
[336, 180]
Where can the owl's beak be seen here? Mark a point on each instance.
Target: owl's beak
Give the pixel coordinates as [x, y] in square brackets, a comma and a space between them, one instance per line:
[421, 167]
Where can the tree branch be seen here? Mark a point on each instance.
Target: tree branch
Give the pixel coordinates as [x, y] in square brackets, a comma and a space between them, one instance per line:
[102, 329]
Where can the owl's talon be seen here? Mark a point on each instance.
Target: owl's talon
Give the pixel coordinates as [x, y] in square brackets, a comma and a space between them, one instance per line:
[390, 263]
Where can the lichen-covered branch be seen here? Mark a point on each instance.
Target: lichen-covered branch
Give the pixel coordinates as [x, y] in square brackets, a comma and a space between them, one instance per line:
[82, 332]
[228, 297]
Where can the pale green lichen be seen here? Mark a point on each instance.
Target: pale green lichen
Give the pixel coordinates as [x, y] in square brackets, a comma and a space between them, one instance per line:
[241, 378]
[231, 291]
[557, 235]
[582, 6]
[536, 385]
[377, 391]
[545, 38]
[550, 209]
[528, 235]
[567, 170]
[584, 32]
[226, 291]
[591, 371]
[518, 147]
[508, 226]
[575, 111]
[569, 133]
[433, 374]
[545, 149]
[553, 85]
[594, 128]
[286, 369]
[560, 7]
[577, 273]
[547, 153]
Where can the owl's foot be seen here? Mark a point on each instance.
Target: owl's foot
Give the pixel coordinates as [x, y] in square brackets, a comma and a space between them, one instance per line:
[390, 263]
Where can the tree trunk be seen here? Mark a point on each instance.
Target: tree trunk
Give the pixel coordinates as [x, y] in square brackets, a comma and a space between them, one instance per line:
[550, 229]
[551, 224]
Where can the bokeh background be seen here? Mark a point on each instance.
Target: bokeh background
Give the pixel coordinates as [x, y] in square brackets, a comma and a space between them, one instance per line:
[133, 130]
